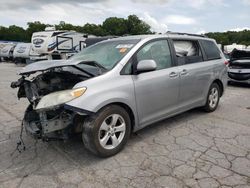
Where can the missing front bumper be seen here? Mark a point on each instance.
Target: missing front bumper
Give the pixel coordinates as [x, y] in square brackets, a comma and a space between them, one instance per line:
[48, 125]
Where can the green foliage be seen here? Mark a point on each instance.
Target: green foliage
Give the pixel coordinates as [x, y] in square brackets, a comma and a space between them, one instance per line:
[111, 26]
[229, 37]
[137, 26]
[131, 25]
[34, 27]
[13, 33]
[115, 26]
[93, 29]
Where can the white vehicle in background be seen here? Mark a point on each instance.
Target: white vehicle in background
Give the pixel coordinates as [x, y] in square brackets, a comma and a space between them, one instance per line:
[58, 44]
[7, 52]
[21, 53]
[220, 46]
[3, 44]
[34, 56]
[229, 48]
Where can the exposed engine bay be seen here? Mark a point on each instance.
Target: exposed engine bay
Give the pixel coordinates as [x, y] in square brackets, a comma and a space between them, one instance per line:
[45, 83]
[55, 122]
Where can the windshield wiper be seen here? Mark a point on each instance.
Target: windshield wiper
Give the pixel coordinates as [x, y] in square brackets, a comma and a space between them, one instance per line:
[82, 70]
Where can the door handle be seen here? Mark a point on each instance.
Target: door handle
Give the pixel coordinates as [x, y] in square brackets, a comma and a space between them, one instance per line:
[183, 72]
[173, 74]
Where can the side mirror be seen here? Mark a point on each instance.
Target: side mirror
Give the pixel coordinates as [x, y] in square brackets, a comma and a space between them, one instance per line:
[146, 66]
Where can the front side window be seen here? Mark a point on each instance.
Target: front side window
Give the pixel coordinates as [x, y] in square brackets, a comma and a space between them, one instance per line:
[106, 53]
[158, 51]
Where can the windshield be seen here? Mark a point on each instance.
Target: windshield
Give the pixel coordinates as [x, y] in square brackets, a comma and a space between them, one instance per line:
[107, 53]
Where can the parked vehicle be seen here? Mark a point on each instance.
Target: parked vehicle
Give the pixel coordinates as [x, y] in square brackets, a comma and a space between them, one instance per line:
[2, 45]
[229, 48]
[36, 57]
[21, 53]
[57, 44]
[7, 52]
[119, 86]
[239, 66]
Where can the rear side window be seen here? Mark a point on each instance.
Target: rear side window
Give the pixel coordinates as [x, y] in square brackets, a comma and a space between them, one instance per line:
[187, 51]
[211, 50]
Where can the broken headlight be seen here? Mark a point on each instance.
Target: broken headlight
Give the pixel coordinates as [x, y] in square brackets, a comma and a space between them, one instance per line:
[60, 97]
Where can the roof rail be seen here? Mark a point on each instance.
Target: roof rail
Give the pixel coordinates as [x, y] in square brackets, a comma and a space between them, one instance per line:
[189, 34]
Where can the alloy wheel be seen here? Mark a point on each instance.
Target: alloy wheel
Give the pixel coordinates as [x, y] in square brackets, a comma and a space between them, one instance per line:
[112, 131]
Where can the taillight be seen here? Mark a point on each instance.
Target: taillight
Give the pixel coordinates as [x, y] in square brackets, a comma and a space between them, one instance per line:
[226, 62]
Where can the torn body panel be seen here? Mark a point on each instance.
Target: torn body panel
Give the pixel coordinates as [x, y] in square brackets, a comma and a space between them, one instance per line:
[48, 125]
[52, 123]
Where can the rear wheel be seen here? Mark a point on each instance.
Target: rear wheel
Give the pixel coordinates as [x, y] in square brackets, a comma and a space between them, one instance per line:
[106, 133]
[213, 98]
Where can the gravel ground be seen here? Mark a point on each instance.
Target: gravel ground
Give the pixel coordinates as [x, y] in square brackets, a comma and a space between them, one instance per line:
[194, 149]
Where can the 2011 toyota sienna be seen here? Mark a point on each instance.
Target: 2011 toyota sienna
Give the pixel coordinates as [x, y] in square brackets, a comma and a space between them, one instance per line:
[119, 86]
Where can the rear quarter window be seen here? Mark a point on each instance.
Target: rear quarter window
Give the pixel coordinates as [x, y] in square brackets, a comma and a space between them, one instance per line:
[211, 50]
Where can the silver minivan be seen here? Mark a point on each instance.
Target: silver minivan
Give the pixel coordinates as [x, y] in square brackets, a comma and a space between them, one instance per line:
[119, 86]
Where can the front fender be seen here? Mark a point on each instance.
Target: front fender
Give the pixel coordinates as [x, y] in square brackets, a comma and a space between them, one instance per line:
[101, 93]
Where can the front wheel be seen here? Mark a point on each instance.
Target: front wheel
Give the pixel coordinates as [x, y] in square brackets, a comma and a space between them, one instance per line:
[213, 98]
[106, 133]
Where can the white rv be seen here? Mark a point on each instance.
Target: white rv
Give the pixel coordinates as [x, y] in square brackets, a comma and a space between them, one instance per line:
[34, 56]
[2, 45]
[229, 48]
[57, 44]
[21, 53]
[7, 51]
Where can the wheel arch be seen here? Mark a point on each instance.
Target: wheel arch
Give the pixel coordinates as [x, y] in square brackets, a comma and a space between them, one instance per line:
[127, 108]
[220, 84]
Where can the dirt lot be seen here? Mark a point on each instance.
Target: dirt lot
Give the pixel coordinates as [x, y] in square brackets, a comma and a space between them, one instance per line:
[193, 149]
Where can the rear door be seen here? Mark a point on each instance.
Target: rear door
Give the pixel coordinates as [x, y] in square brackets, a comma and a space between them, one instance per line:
[157, 91]
[195, 73]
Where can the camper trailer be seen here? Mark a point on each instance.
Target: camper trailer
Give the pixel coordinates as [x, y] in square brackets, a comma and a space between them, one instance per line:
[21, 52]
[34, 56]
[229, 48]
[58, 44]
[3, 44]
[7, 52]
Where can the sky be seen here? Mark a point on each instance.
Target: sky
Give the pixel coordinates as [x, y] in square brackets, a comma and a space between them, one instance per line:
[192, 16]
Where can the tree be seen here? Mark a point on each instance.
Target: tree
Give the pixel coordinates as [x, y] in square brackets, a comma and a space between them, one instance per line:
[94, 29]
[229, 37]
[34, 27]
[13, 33]
[137, 26]
[65, 26]
[115, 26]
[131, 25]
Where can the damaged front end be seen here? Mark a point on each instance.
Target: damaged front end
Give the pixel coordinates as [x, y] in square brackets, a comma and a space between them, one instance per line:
[50, 124]
[46, 116]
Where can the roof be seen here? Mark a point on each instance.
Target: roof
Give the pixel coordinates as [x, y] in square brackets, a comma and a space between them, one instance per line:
[167, 35]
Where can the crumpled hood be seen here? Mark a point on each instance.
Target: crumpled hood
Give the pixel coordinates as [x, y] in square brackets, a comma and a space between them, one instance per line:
[240, 54]
[47, 64]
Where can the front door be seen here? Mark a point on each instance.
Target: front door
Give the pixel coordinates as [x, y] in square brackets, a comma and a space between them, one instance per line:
[156, 92]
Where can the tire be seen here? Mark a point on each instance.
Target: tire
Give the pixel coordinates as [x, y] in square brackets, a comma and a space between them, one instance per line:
[109, 123]
[213, 98]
